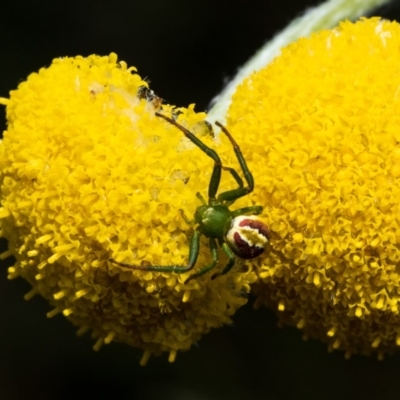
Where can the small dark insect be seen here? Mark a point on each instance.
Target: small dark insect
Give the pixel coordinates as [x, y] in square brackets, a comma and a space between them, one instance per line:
[238, 233]
[145, 93]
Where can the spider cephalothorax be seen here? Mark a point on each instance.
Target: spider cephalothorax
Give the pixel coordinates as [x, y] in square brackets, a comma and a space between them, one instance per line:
[238, 233]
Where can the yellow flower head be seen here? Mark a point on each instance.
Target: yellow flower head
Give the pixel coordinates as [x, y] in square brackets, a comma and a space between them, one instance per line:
[88, 172]
[322, 125]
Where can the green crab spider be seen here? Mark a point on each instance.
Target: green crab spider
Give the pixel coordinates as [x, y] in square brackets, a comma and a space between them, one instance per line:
[238, 233]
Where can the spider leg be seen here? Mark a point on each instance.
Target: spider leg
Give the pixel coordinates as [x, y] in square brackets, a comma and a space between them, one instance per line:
[252, 210]
[235, 175]
[216, 174]
[193, 255]
[231, 261]
[214, 254]
[238, 180]
[240, 191]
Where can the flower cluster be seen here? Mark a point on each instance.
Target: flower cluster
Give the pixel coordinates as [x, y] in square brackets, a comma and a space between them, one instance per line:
[88, 172]
[321, 125]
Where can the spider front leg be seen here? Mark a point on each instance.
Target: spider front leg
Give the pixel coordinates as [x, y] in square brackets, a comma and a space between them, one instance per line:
[216, 174]
[235, 176]
[193, 255]
[232, 195]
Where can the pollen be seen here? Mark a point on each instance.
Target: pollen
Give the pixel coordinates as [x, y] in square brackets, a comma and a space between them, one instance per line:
[89, 172]
[320, 129]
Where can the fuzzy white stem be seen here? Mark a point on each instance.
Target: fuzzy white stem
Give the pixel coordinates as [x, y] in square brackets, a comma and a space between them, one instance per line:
[324, 16]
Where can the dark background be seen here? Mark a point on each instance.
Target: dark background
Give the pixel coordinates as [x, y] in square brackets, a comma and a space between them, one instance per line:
[187, 49]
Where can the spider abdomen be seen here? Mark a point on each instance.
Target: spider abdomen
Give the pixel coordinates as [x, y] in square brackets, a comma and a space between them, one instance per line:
[248, 236]
[213, 220]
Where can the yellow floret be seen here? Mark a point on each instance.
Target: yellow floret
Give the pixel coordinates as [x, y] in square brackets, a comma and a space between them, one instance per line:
[88, 172]
[322, 125]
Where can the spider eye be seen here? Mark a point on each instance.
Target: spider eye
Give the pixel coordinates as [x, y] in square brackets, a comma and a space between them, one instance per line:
[248, 236]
